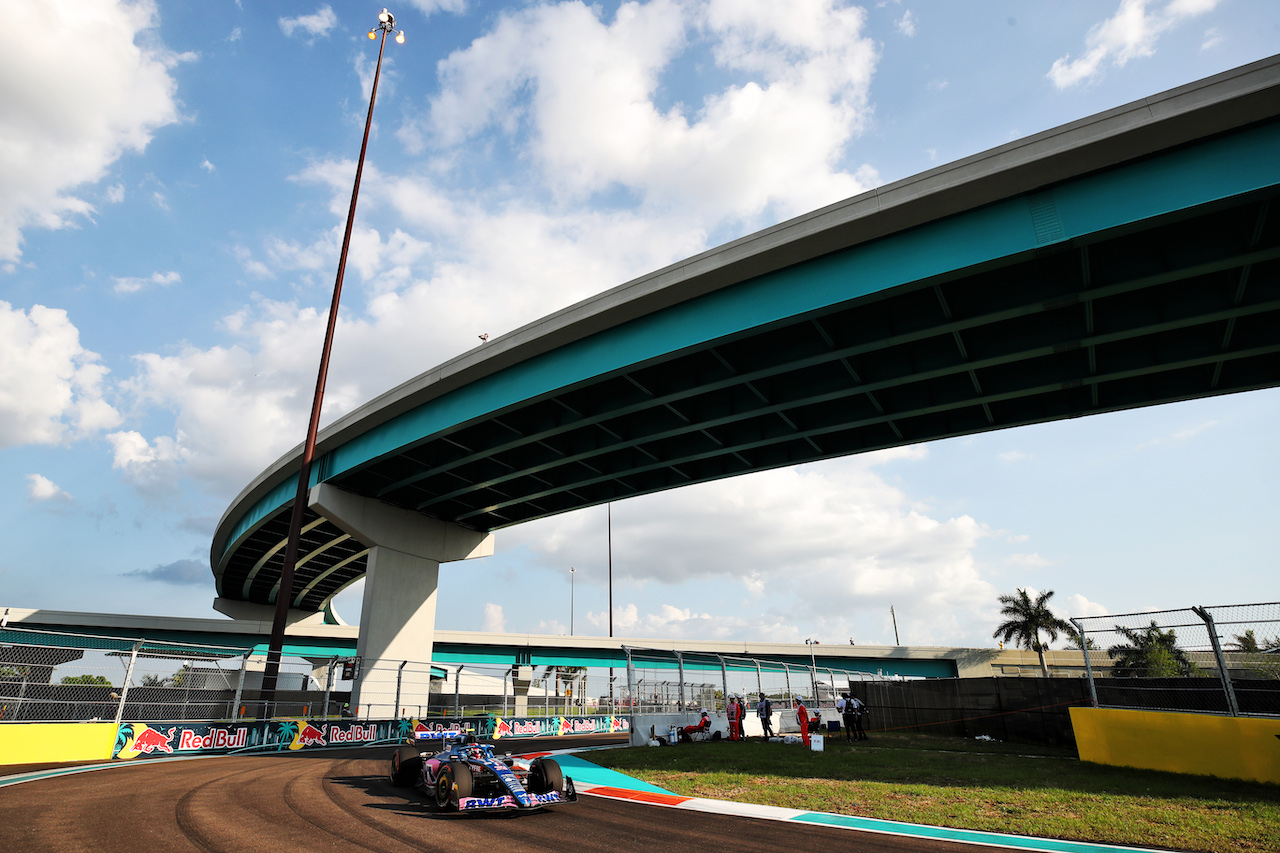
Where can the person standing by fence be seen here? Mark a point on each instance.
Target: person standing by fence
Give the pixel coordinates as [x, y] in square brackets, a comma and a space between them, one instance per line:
[859, 709]
[848, 716]
[802, 717]
[764, 710]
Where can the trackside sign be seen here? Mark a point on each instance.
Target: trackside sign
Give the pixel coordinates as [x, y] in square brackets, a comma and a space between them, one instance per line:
[517, 727]
[151, 739]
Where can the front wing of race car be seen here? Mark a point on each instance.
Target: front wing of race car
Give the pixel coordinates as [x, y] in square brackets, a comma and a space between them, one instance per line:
[523, 800]
[517, 796]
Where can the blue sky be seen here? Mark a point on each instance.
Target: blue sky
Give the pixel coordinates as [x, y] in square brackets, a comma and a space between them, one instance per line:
[176, 178]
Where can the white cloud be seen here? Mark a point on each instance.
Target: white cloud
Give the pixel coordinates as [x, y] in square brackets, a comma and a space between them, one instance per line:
[50, 387]
[150, 466]
[105, 90]
[316, 25]
[428, 7]
[580, 93]
[1130, 33]
[41, 488]
[1028, 561]
[829, 541]
[114, 194]
[907, 24]
[494, 621]
[207, 166]
[1212, 38]
[133, 285]
[251, 265]
[1011, 456]
[1077, 605]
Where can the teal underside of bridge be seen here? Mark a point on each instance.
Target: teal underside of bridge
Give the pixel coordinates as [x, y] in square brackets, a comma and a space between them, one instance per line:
[597, 658]
[202, 644]
[1150, 282]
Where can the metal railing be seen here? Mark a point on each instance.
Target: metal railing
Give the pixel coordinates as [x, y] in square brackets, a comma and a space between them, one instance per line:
[1215, 660]
[48, 676]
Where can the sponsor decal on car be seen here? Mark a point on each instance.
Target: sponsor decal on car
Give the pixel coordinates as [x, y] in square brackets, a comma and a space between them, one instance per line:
[469, 803]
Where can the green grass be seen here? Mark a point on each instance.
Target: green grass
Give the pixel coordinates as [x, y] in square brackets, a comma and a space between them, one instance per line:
[1015, 788]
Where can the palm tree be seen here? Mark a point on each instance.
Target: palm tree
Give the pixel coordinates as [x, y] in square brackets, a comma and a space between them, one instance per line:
[1076, 640]
[1149, 653]
[1026, 620]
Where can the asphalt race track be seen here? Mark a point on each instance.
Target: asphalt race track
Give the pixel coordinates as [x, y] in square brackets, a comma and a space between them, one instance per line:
[342, 800]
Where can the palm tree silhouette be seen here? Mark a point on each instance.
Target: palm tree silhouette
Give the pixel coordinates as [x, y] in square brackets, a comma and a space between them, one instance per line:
[1026, 620]
[122, 738]
[286, 732]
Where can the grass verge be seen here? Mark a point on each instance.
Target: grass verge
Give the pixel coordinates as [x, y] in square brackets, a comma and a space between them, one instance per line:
[1014, 788]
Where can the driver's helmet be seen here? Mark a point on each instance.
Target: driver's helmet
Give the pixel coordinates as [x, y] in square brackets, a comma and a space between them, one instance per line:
[474, 751]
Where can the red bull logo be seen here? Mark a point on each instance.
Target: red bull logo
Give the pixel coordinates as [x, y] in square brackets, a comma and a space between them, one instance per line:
[152, 740]
[502, 729]
[354, 734]
[309, 735]
[216, 739]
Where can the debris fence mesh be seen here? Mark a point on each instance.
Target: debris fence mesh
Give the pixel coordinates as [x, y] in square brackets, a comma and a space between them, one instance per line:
[1215, 660]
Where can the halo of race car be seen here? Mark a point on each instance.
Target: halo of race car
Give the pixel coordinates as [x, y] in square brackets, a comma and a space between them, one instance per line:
[465, 775]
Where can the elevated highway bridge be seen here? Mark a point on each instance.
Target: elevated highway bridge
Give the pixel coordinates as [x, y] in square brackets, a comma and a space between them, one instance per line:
[318, 642]
[1127, 259]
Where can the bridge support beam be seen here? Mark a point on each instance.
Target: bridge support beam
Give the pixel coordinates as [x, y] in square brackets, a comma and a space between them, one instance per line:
[398, 613]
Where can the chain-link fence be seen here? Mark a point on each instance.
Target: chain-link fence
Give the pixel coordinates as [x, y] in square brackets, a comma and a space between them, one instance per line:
[1216, 660]
[673, 682]
[47, 676]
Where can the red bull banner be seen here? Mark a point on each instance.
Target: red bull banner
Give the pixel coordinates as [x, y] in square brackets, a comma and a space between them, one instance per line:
[517, 727]
[151, 740]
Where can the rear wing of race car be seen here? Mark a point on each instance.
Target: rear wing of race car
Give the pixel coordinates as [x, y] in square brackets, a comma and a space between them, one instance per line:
[444, 737]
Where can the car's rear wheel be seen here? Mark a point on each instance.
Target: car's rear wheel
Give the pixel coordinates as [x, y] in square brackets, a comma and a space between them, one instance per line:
[454, 775]
[545, 776]
[406, 766]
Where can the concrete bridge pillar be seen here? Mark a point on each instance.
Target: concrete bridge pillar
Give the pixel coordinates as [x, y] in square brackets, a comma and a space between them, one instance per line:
[398, 613]
[523, 677]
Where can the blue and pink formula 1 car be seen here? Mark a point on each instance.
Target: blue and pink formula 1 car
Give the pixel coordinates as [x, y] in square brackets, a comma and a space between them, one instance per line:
[467, 776]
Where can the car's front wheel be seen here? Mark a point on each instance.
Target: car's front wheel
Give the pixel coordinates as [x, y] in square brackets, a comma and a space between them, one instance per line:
[454, 776]
[545, 776]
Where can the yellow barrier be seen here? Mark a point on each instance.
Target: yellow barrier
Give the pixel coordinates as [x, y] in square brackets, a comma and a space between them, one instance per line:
[1228, 747]
[38, 743]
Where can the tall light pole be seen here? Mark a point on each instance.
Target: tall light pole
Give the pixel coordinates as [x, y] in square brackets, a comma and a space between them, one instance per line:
[571, 571]
[609, 519]
[813, 670]
[385, 26]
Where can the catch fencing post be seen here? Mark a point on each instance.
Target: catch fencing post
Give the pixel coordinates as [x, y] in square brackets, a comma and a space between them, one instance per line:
[399, 676]
[631, 691]
[457, 688]
[128, 679]
[328, 685]
[1223, 672]
[680, 669]
[1088, 665]
[724, 681]
[786, 672]
[244, 664]
[759, 677]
